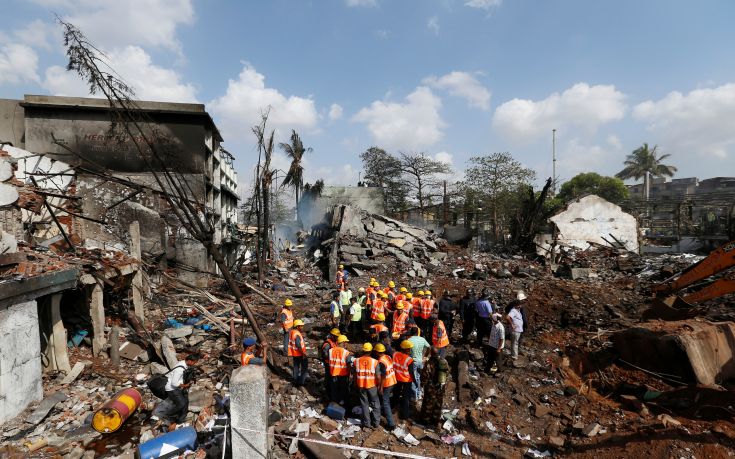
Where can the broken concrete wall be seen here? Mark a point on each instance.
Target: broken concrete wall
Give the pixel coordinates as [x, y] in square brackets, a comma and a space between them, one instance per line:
[11, 122]
[694, 351]
[20, 359]
[370, 199]
[593, 219]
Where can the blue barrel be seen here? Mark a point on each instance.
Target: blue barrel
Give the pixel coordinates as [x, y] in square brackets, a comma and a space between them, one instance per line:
[170, 444]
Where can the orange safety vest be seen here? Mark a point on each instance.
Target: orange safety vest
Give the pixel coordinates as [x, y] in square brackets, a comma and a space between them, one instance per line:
[415, 305]
[444, 340]
[329, 342]
[369, 292]
[401, 364]
[399, 321]
[377, 328]
[400, 297]
[288, 323]
[365, 372]
[378, 308]
[294, 351]
[426, 307]
[338, 361]
[390, 375]
[246, 357]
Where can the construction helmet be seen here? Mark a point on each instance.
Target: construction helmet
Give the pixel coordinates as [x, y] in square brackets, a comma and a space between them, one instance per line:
[403, 289]
[379, 347]
[377, 284]
[396, 335]
[381, 317]
[406, 344]
[335, 332]
[288, 302]
[391, 284]
[341, 266]
[372, 279]
[361, 289]
[367, 347]
[427, 292]
[409, 295]
[399, 306]
[298, 322]
[421, 293]
[342, 339]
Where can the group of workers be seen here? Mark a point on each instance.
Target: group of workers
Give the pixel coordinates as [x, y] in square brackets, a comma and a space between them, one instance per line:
[394, 364]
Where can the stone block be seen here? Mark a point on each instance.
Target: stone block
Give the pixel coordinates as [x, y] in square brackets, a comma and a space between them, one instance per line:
[249, 410]
[581, 273]
[181, 332]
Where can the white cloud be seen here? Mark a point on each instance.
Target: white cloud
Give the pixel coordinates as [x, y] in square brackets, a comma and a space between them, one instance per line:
[462, 84]
[444, 157]
[335, 112]
[149, 81]
[483, 4]
[582, 106]
[111, 23]
[700, 122]
[247, 97]
[411, 125]
[576, 156]
[366, 3]
[18, 64]
[37, 34]
[433, 24]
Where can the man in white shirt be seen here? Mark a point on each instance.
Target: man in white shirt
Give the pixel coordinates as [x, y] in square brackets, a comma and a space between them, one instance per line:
[495, 345]
[176, 405]
[515, 319]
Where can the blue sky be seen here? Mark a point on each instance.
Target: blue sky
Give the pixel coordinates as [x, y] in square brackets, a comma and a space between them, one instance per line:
[452, 78]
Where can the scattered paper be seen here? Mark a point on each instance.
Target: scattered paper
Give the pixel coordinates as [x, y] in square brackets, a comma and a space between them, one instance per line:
[490, 426]
[523, 437]
[466, 450]
[411, 440]
[534, 453]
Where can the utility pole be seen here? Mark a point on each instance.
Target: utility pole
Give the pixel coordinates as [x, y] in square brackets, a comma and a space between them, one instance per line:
[553, 161]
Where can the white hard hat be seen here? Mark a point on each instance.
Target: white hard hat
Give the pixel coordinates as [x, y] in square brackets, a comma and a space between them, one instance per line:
[520, 296]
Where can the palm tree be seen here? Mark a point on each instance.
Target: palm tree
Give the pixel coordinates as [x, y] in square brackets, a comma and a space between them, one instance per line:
[295, 175]
[644, 163]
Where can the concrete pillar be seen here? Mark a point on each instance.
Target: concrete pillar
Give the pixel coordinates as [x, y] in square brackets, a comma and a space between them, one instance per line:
[249, 410]
[97, 312]
[56, 350]
[138, 276]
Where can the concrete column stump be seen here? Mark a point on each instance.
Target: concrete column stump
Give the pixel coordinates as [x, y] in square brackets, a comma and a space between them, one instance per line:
[249, 412]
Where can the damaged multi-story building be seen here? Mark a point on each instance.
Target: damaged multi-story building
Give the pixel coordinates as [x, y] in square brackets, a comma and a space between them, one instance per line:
[80, 210]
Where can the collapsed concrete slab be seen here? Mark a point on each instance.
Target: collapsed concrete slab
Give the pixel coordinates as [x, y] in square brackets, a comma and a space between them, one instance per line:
[693, 351]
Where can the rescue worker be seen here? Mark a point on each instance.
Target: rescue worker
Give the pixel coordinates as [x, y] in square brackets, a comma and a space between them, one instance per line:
[401, 294]
[253, 353]
[335, 310]
[495, 345]
[367, 380]
[297, 350]
[403, 367]
[355, 317]
[345, 300]
[390, 292]
[419, 353]
[286, 320]
[400, 319]
[341, 278]
[484, 308]
[408, 303]
[468, 314]
[385, 366]
[426, 307]
[378, 307]
[340, 360]
[329, 342]
[439, 336]
[362, 302]
[447, 310]
[378, 327]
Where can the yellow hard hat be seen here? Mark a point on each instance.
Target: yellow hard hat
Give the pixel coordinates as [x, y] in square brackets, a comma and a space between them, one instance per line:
[288, 302]
[427, 292]
[372, 279]
[377, 284]
[342, 339]
[396, 335]
[379, 347]
[406, 344]
[341, 266]
[367, 347]
[400, 306]
[335, 332]
[361, 289]
[391, 284]
[383, 295]
[403, 289]
[381, 317]
[409, 295]
[298, 322]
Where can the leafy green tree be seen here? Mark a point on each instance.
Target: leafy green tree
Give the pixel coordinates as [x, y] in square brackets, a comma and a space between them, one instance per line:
[498, 178]
[384, 170]
[611, 188]
[422, 176]
[644, 162]
[295, 175]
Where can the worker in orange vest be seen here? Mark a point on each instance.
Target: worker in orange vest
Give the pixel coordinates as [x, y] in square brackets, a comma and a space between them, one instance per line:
[385, 366]
[329, 342]
[439, 336]
[297, 350]
[401, 319]
[341, 278]
[286, 319]
[390, 292]
[403, 367]
[252, 353]
[368, 380]
[408, 303]
[377, 327]
[401, 294]
[426, 307]
[378, 306]
[340, 360]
